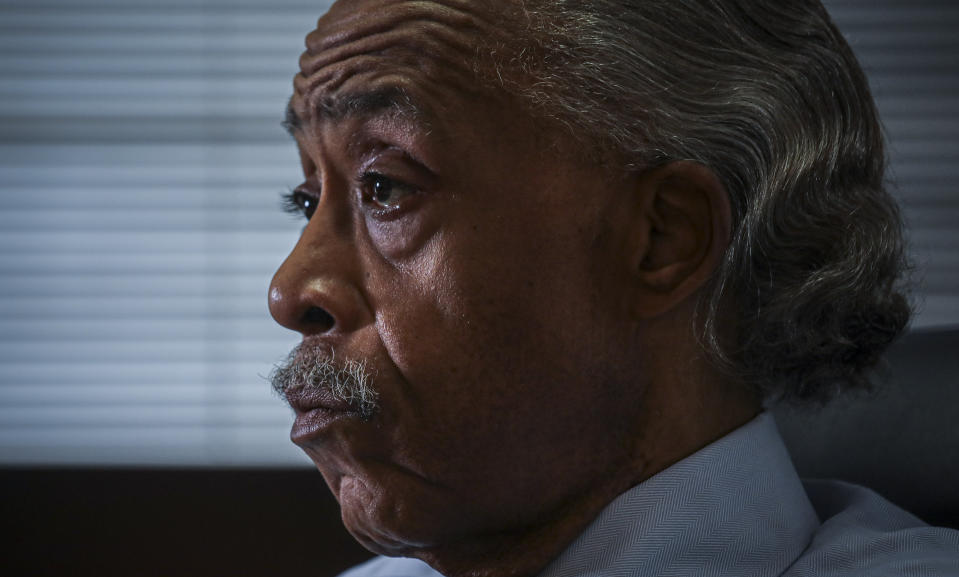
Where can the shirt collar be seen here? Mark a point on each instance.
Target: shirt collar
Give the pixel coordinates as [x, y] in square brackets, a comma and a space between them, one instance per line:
[736, 507]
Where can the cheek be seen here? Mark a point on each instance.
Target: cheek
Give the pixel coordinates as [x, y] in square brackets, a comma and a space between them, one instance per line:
[457, 313]
[485, 324]
[486, 344]
[494, 395]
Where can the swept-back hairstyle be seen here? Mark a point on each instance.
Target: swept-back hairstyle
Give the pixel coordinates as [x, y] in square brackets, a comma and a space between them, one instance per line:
[769, 96]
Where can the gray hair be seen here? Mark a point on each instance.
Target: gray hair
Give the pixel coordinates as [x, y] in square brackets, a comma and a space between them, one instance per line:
[769, 96]
[315, 367]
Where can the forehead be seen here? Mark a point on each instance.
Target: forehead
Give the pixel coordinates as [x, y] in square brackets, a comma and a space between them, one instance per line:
[407, 56]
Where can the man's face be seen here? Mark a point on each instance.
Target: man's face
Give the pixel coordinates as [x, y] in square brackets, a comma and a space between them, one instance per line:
[468, 265]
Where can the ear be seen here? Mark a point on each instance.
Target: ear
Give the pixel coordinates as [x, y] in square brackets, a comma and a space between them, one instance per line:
[680, 232]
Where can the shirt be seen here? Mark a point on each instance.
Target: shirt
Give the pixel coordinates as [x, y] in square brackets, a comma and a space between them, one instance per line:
[738, 508]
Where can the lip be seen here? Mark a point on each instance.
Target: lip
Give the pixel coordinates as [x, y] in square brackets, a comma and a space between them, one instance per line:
[307, 399]
[311, 425]
[316, 411]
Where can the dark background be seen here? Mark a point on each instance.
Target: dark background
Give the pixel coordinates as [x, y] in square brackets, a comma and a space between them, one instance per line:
[163, 522]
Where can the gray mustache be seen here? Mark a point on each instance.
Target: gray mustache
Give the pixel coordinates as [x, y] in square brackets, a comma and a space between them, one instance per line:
[314, 367]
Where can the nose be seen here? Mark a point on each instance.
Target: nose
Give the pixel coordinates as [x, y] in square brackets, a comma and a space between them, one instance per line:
[314, 292]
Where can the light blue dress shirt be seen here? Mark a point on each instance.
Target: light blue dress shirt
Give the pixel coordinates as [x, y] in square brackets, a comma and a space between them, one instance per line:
[738, 508]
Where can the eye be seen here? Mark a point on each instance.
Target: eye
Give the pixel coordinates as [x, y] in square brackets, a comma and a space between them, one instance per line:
[383, 192]
[300, 202]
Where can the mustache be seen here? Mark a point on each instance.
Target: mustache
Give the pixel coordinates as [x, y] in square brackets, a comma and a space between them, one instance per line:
[315, 367]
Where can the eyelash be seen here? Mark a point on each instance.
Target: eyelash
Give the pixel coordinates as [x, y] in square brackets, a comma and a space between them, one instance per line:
[300, 203]
[292, 202]
[368, 181]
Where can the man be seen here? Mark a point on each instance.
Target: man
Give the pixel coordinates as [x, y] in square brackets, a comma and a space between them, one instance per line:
[558, 255]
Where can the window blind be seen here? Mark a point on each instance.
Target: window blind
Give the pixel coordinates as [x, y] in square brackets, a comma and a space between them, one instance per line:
[141, 159]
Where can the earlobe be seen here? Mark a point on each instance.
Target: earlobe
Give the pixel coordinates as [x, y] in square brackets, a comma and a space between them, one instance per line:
[680, 231]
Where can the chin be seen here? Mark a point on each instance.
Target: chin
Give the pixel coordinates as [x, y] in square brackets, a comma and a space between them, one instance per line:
[393, 512]
[380, 519]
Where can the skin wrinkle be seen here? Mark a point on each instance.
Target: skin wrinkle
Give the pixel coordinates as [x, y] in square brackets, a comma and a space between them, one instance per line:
[360, 73]
[411, 44]
[331, 59]
[424, 21]
[455, 18]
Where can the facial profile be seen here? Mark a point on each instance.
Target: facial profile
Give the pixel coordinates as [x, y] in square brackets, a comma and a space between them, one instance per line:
[455, 255]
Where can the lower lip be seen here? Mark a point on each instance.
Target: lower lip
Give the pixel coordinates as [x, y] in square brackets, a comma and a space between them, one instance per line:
[311, 425]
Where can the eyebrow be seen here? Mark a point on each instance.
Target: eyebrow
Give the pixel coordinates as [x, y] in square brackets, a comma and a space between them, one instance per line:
[391, 100]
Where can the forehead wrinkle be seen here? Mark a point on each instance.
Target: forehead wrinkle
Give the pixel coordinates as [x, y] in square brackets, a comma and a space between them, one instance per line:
[336, 29]
[425, 36]
[366, 95]
[401, 87]
[417, 46]
[407, 68]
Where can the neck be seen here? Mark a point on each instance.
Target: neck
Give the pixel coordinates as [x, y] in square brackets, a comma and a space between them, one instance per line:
[527, 551]
[665, 438]
[683, 406]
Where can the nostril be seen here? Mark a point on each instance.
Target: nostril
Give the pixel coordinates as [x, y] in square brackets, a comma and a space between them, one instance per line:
[318, 319]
